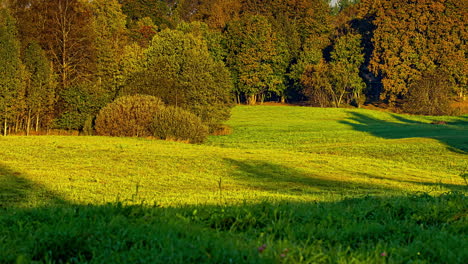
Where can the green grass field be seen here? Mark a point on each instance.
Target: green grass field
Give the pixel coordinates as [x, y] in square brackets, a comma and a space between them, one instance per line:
[312, 185]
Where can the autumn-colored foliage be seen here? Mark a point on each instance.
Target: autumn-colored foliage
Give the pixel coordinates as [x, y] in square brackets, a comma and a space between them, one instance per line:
[413, 37]
[205, 55]
[64, 30]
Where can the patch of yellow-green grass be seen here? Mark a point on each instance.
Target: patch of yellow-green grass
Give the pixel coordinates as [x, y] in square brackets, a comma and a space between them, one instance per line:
[274, 153]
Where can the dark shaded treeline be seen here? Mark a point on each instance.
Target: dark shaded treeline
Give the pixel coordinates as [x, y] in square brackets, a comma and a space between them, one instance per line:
[63, 60]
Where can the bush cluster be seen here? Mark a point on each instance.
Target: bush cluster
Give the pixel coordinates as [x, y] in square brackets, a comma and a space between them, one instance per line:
[145, 115]
[128, 116]
[175, 123]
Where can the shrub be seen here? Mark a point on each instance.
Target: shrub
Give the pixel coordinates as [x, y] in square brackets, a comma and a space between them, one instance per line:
[430, 95]
[178, 124]
[128, 116]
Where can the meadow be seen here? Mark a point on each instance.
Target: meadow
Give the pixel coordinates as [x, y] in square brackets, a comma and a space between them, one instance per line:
[289, 184]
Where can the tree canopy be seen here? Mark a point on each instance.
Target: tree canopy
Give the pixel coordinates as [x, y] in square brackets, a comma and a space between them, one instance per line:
[413, 37]
[179, 69]
[63, 60]
[10, 68]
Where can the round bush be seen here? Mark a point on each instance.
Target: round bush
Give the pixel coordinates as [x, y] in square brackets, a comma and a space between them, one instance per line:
[175, 123]
[128, 116]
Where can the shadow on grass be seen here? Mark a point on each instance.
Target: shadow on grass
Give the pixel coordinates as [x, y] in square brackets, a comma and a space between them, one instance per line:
[398, 229]
[435, 186]
[454, 134]
[16, 190]
[273, 177]
[417, 228]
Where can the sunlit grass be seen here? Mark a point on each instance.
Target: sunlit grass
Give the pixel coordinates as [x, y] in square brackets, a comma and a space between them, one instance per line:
[286, 153]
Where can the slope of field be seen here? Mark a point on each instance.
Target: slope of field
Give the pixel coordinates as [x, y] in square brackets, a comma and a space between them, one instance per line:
[293, 153]
[290, 184]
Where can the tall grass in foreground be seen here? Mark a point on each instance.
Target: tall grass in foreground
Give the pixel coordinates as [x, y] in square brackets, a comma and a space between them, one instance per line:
[290, 184]
[406, 229]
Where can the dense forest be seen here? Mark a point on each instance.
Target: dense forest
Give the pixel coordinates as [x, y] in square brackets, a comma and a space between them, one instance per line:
[62, 61]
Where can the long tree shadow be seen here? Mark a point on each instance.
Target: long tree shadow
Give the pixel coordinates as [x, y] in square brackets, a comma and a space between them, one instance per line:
[17, 191]
[267, 176]
[454, 134]
[436, 186]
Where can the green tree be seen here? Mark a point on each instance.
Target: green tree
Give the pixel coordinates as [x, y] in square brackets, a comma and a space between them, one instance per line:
[310, 54]
[337, 81]
[312, 22]
[159, 11]
[82, 103]
[10, 67]
[317, 86]
[40, 92]
[132, 62]
[180, 70]
[110, 26]
[213, 38]
[253, 53]
[347, 58]
[291, 21]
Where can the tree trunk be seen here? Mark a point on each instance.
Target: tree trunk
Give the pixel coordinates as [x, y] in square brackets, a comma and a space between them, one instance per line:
[357, 98]
[28, 124]
[335, 100]
[461, 95]
[252, 99]
[37, 122]
[5, 127]
[283, 99]
[340, 99]
[63, 21]
[17, 123]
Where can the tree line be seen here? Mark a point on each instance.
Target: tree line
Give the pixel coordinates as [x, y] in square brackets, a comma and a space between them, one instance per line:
[62, 61]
